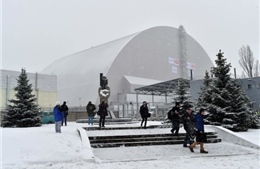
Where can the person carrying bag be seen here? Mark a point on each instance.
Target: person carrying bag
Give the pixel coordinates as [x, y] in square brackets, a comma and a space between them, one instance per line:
[200, 135]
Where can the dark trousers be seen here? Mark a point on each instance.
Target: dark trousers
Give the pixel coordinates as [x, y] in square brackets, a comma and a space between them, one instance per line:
[102, 121]
[64, 120]
[175, 127]
[144, 120]
[187, 139]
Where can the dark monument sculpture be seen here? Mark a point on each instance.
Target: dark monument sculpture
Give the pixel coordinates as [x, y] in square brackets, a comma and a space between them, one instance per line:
[103, 90]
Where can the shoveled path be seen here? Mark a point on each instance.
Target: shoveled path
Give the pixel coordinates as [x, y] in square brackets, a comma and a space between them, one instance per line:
[162, 152]
[166, 152]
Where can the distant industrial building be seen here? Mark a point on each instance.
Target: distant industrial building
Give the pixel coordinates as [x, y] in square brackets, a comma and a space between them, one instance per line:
[251, 87]
[44, 88]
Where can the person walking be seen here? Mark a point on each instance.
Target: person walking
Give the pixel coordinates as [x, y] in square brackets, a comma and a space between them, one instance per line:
[175, 119]
[90, 110]
[144, 113]
[58, 116]
[64, 109]
[200, 136]
[188, 123]
[102, 112]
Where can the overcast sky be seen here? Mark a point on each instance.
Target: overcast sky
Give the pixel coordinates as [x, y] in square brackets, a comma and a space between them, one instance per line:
[35, 33]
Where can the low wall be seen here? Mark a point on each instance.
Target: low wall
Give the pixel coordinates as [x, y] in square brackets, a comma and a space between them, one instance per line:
[86, 145]
[74, 116]
[232, 137]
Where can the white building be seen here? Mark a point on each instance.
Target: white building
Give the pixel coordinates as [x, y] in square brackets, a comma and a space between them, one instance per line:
[44, 88]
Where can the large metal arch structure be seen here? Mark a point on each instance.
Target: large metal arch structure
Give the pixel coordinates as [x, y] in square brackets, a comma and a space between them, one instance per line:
[157, 54]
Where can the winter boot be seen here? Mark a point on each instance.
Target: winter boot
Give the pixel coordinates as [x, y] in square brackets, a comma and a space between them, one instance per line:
[191, 149]
[202, 148]
[204, 152]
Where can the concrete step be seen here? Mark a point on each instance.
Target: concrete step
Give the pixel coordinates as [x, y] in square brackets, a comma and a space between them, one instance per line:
[114, 140]
[122, 128]
[108, 120]
[143, 140]
[143, 143]
[144, 136]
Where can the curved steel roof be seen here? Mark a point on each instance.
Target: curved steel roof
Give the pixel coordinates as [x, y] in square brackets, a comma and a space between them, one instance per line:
[163, 88]
[145, 54]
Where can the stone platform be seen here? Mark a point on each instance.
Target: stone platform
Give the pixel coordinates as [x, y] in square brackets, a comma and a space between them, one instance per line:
[108, 121]
[155, 136]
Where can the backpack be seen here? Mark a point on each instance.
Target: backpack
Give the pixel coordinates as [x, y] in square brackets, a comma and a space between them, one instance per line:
[170, 115]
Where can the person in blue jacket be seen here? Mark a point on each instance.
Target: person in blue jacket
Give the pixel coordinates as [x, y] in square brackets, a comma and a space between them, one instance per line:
[58, 116]
[200, 136]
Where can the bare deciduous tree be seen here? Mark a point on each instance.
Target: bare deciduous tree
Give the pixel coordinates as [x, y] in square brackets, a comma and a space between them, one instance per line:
[248, 62]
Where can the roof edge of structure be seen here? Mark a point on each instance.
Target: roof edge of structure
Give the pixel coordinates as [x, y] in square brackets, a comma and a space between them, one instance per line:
[166, 87]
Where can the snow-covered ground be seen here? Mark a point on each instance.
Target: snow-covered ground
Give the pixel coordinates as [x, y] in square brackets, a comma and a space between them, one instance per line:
[41, 147]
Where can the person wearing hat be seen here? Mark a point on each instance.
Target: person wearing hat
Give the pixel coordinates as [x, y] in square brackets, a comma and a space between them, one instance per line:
[144, 113]
[58, 116]
[188, 123]
[200, 136]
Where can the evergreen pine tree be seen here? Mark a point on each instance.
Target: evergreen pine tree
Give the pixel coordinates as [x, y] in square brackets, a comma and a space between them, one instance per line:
[227, 102]
[182, 95]
[237, 118]
[206, 92]
[181, 91]
[246, 117]
[22, 112]
[220, 96]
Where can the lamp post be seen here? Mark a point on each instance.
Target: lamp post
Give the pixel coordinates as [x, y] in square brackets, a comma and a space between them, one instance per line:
[79, 102]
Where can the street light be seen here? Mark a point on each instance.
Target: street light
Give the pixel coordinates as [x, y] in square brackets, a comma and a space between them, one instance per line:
[79, 102]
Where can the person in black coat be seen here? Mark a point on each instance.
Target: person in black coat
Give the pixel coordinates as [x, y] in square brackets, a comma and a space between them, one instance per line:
[175, 119]
[91, 112]
[188, 123]
[64, 109]
[144, 113]
[102, 112]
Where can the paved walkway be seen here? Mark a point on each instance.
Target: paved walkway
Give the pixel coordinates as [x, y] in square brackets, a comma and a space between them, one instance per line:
[166, 152]
[169, 151]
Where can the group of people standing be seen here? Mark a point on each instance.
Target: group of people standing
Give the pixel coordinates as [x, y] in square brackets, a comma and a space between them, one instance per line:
[102, 112]
[61, 112]
[193, 125]
[60, 115]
